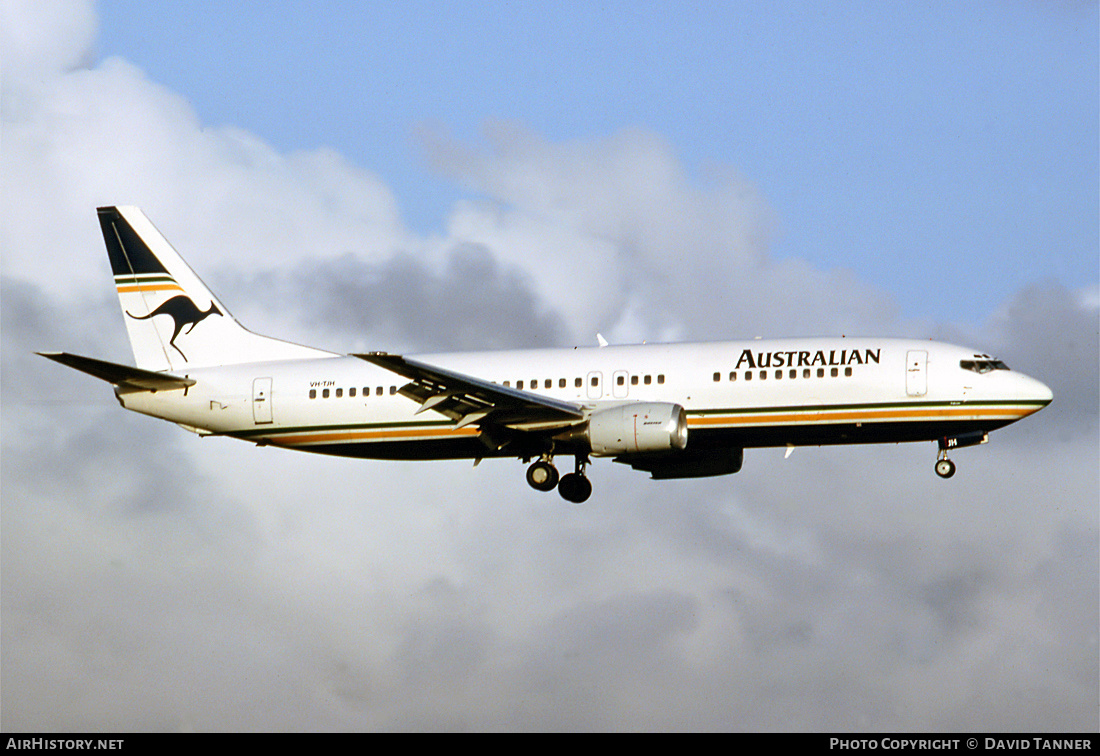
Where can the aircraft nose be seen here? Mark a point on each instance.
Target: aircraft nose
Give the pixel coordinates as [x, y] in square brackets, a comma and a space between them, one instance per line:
[1032, 390]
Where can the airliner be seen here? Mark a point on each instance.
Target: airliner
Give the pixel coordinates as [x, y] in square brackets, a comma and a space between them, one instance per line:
[672, 410]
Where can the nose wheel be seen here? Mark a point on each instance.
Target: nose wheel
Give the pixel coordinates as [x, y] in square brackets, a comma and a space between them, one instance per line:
[945, 468]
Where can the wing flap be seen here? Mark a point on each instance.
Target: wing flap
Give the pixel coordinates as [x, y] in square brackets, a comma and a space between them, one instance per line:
[126, 378]
[468, 400]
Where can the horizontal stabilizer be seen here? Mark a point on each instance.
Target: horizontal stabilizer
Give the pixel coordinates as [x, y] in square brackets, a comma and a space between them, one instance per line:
[126, 378]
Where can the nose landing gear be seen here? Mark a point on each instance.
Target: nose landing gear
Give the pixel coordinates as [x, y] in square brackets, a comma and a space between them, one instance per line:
[573, 487]
[945, 468]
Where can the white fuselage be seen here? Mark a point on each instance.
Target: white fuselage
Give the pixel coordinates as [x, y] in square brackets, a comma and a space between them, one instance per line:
[735, 394]
[672, 410]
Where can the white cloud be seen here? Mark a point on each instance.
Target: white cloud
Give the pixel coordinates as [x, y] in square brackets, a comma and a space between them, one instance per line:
[44, 39]
[108, 135]
[610, 227]
[153, 580]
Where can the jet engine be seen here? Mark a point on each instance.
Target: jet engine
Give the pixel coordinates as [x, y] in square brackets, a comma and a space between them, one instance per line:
[641, 427]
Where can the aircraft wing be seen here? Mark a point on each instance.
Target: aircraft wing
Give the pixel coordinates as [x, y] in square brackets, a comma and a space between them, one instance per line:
[468, 400]
[126, 378]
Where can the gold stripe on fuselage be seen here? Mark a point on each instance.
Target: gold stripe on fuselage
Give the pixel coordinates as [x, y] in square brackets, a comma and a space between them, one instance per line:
[824, 416]
[307, 438]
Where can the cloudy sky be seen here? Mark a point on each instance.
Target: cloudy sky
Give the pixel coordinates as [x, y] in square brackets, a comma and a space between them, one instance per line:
[429, 176]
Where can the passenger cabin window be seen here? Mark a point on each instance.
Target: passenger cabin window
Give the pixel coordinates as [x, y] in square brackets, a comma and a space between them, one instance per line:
[791, 374]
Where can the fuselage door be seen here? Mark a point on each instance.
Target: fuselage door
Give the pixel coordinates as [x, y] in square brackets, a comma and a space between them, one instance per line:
[916, 372]
[261, 400]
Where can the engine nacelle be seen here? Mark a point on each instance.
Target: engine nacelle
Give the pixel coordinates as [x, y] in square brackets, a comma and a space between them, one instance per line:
[641, 427]
[701, 463]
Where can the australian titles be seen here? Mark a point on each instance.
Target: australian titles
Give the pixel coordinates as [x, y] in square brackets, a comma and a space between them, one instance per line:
[807, 359]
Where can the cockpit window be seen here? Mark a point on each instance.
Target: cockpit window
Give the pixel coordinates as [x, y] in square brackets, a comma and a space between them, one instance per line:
[986, 365]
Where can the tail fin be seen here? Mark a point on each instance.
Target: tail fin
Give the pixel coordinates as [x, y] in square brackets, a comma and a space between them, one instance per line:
[173, 320]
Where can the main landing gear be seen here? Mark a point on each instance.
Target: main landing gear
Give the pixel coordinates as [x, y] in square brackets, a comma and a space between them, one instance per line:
[542, 476]
[574, 487]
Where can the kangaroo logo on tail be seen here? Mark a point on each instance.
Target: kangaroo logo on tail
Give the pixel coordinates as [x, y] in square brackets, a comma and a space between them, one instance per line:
[183, 312]
[152, 279]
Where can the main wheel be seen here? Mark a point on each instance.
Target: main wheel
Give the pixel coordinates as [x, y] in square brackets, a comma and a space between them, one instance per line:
[542, 476]
[575, 488]
[945, 468]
